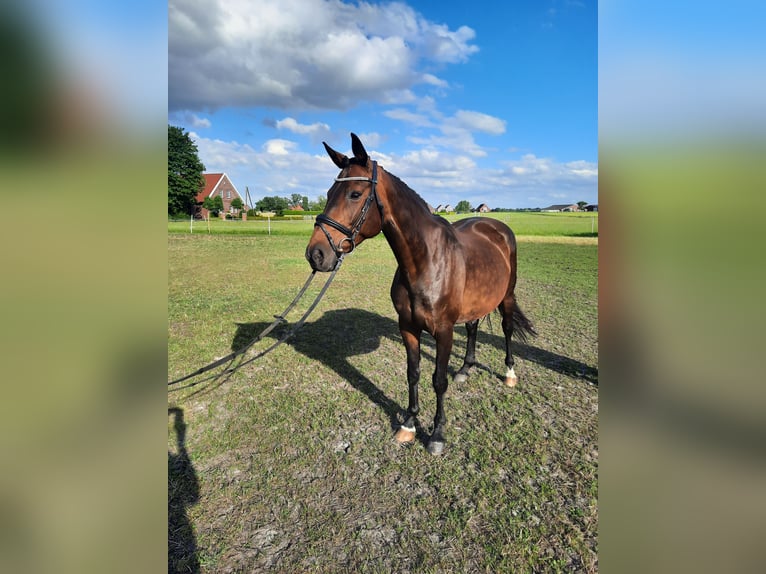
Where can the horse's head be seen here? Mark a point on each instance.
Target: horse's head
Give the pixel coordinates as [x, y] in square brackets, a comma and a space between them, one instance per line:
[352, 213]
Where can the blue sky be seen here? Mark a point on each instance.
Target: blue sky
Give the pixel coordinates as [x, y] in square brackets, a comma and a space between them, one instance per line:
[496, 105]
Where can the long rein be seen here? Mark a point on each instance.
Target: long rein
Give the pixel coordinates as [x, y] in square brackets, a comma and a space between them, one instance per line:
[281, 318]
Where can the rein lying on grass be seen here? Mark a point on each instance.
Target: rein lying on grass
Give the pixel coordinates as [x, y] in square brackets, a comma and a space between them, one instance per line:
[279, 319]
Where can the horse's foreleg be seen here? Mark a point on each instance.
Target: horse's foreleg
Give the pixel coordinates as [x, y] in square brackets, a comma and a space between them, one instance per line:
[406, 432]
[443, 350]
[472, 328]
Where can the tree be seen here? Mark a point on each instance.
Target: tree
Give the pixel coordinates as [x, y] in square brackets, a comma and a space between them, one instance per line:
[273, 203]
[581, 204]
[214, 205]
[305, 203]
[319, 204]
[237, 204]
[463, 207]
[184, 172]
[296, 199]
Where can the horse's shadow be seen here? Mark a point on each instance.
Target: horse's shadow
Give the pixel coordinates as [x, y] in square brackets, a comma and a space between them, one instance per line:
[341, 334]
[332, 340]
[552, 361]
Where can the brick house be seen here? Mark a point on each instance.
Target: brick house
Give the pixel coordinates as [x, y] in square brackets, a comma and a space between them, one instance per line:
[483, 208]
[217, 184]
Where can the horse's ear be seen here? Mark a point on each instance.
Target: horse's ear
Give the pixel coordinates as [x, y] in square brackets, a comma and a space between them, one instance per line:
[359, 152]
[337, 158]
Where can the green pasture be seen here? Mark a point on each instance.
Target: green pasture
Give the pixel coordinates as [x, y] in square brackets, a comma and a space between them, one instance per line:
[523, 223]
[289, 464]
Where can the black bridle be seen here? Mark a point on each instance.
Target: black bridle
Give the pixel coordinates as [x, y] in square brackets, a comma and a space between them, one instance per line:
[356, 225]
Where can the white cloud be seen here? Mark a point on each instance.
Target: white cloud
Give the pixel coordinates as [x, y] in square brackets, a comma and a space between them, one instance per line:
[302, 53]
[195, 121]
[439, 175]
[454, 132]
[279, 167]
[434, 81]
[401, 114]
[279, 147]
[292, 125]
[546, 171]
[479, 122]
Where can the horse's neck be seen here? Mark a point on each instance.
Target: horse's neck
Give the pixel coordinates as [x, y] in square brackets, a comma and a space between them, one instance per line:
[407, 225]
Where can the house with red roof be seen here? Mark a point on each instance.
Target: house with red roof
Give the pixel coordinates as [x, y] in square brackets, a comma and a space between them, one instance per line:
[217, 184]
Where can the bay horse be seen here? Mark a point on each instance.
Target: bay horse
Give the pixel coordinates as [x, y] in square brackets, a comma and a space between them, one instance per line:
[447, 273]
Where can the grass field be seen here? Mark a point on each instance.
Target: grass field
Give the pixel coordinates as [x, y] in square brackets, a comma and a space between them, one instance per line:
[288, 464]
[576, 224]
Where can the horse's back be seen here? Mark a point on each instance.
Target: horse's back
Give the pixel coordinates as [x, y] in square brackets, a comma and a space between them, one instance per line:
[474, 231]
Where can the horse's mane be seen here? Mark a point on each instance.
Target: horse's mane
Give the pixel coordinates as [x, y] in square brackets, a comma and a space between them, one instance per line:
[408, 192]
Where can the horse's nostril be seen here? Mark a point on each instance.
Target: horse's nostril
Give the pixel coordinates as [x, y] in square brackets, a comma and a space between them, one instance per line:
[317, 256]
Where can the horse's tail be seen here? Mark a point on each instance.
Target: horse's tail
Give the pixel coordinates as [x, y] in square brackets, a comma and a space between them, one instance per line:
[522, 327]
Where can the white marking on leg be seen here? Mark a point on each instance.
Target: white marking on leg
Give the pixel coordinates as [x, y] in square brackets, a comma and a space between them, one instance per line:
[510, 378]
[408, 429]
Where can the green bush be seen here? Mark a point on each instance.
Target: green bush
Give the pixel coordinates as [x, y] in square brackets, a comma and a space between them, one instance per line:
[301, 213]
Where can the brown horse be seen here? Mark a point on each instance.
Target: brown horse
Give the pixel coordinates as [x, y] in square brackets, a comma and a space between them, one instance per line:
[447, 273]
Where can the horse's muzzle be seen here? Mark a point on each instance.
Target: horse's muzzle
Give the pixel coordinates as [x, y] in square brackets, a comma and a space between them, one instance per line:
[321, 258]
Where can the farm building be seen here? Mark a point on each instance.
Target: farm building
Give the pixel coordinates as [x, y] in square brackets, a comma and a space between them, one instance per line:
[483, 208]
[562, 207]
[217, 184]
[592, 207]
[444, 208]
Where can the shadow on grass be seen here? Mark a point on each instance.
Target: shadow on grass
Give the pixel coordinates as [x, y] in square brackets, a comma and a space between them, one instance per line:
[183, 492]
[341, 334]
[552, 361]
[332, 340]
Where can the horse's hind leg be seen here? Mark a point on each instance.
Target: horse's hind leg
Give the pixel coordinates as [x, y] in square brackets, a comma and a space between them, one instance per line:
[472, 328]
[443, 350]
[507, 308]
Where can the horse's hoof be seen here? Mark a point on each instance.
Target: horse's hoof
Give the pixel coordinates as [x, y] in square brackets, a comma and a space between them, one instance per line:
[510, 378]
[405, 435]
[435, 447]
[460, 378]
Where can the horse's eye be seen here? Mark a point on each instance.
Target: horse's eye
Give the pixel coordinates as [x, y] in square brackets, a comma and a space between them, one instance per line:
[355, 194]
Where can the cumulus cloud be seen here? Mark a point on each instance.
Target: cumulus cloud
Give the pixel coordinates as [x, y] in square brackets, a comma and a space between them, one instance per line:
[404, 115]
[281, 167]
[477, 121]
[546, 172]
[279, 147]
[452, 132]
[302, 54]
[278, 167]
[194, 120]
[291, 124]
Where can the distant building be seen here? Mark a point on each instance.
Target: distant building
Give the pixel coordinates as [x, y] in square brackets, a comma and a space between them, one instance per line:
[592, 207]
[483, 208]
[562, 207]
[217, 184]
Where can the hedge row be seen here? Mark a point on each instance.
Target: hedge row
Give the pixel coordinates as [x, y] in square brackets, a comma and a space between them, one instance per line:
[299, 212]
